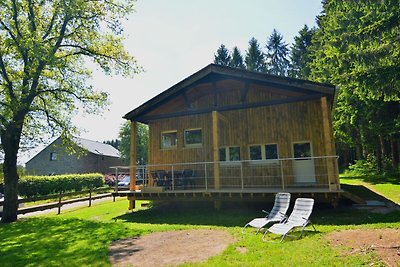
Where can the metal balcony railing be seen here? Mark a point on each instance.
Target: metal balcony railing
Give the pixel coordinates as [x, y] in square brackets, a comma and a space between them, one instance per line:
[280, 174]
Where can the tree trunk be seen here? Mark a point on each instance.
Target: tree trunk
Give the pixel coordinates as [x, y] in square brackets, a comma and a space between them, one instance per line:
[379, 157]
[10, 140]
[395, 153]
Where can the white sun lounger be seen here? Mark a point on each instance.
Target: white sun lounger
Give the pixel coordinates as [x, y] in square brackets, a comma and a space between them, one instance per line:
[298, 218]
[277, 214]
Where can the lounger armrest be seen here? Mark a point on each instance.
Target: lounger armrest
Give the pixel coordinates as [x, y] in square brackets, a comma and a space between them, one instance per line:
[307, 221]
[285, 217]
[266, 212]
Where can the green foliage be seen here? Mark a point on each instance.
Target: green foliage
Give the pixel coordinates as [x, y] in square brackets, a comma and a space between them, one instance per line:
[237, 59]
[357, 48]
[45, 46]
[142, 139]
[255, 59]
[222, 56]
[277, 53]
[300, 53]
[30, 186]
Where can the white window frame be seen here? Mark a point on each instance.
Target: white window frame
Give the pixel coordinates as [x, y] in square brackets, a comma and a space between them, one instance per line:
[176, 140]
[227, 155]
[192, 145]
[264, 154]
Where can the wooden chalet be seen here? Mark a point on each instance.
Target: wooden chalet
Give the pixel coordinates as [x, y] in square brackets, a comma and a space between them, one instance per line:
[225, 132]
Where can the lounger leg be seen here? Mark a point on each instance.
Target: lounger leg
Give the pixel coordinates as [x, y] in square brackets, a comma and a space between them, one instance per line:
[244, 228]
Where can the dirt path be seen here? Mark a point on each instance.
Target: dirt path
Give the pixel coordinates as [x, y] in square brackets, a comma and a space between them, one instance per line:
[384, 242]
[169, 248]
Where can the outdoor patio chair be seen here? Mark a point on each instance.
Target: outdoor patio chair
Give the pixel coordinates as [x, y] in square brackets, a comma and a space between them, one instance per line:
[277, 214]
[298, 218]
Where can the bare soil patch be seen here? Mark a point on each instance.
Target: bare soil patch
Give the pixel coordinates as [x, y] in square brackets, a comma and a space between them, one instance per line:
[384, 242]
[169, 248]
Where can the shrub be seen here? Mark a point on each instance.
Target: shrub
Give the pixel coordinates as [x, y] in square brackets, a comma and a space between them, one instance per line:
[30, 186]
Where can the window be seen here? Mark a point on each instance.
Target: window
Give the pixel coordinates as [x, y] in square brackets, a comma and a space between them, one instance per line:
[231, 153]
[53, 156]
[256, 152]
[193, 137]
[263, 152]
[302, 150]
[271, 151]
[169, 139]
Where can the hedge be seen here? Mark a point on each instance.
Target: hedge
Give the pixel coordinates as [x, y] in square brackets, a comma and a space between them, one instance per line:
[30, 186]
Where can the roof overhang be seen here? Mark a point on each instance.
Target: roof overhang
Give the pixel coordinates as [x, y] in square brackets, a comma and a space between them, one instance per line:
[214, 72]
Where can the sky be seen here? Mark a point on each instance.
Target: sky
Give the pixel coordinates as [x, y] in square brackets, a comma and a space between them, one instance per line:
[173, 39]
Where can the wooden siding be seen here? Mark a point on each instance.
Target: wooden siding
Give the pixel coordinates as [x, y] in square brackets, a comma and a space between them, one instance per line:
[281, 124]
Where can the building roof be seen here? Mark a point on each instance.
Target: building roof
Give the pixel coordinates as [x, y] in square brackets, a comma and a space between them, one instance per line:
[215, 72]
[97, 148]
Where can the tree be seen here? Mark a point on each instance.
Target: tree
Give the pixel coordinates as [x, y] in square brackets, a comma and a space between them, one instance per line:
[237, 59]
[142, 139]
[300, 54]
[222, 56]
[357, 48]
[277, 62]
[254, 59]
[114, 143]
[43, 73]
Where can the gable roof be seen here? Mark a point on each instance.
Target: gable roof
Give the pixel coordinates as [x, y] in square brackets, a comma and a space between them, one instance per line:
[213, 71]
[97, 148]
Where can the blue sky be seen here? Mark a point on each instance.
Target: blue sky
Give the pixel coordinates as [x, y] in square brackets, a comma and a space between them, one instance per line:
[173, 39]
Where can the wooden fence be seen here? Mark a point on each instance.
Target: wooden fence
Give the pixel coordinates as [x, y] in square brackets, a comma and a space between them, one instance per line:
[100, 193]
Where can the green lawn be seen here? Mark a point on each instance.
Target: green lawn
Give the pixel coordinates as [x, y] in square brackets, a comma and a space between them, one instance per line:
[80, 237]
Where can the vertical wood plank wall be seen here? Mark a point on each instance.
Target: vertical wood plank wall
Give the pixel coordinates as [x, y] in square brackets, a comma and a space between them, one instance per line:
[281, 124]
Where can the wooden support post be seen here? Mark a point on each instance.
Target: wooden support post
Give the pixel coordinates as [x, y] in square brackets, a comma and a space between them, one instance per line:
[215, 141]
[90, 197]
[333, 176]
[59, 203]
[217, 204]
[131, 203]
[132, 183]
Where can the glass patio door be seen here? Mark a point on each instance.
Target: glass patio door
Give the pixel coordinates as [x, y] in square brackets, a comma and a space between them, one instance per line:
[303, 164]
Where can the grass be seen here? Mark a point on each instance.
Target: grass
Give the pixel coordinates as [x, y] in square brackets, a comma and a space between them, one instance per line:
[81, 236]
[389, 187]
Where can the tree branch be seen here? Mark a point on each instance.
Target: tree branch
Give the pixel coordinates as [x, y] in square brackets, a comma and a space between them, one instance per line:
[15, 17]
[31, 16]
[6, 78]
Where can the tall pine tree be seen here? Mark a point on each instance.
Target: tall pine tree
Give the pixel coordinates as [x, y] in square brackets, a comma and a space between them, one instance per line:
[237, 59]
[255, 60]
[222, 57]
[300, 53]
[357, 47]
[277, 62]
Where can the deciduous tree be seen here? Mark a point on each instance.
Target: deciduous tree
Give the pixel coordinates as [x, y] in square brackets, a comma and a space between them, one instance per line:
[45, 49]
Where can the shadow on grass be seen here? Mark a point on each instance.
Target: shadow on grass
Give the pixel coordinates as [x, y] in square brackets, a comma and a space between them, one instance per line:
[57, 242]
[241, 214]
[364, 192]
[196, 213]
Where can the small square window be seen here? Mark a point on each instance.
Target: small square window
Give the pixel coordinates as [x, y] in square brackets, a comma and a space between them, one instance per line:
[255, 153]
[53, 156]
[234, 153]
[302, 150]
[193, 137]
[271, 151]
[169, 139]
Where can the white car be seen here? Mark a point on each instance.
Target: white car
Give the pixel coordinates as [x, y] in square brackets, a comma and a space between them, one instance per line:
[2, 199]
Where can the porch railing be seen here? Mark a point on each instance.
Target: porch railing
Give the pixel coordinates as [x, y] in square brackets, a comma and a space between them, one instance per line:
[306, 172]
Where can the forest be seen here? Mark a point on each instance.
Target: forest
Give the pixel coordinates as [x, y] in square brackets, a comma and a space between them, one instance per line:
[356, 47]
